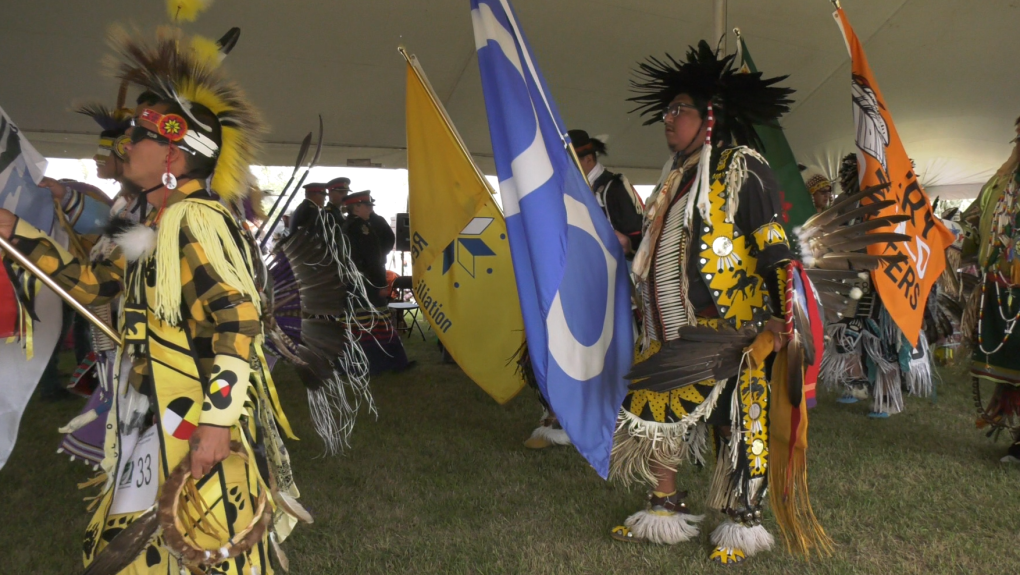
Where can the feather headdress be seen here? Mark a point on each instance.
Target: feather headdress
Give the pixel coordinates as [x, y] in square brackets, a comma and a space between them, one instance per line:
[110, 120]
[113, 121]
[173, 71]
[186, 10]
[740, 100]
[113, 124]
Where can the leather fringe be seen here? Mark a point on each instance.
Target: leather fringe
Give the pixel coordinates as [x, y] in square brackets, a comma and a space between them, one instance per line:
[788, 480]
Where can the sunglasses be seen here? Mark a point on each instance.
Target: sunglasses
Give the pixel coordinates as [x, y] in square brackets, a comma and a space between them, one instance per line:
[172, 129]
[139, 134]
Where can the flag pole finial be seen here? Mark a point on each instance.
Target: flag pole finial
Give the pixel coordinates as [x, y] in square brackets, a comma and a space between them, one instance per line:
[736, 32]
[836, 4]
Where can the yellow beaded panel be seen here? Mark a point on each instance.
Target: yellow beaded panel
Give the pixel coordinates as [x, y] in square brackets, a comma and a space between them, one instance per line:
[754, 399]
[769, 235]
[726, 264]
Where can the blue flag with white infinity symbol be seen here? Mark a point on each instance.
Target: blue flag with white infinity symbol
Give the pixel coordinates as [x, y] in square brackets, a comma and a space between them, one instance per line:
[572, 277]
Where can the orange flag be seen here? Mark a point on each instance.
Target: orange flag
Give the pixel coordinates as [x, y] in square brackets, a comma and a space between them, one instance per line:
[903, 287]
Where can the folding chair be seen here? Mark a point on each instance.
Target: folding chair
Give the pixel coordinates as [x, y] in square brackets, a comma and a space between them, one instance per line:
[399, 310]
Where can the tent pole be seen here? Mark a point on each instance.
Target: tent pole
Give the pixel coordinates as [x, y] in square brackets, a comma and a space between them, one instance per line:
[719, 12]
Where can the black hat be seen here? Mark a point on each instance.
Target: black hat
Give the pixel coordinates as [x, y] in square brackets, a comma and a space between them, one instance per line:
[585, 145]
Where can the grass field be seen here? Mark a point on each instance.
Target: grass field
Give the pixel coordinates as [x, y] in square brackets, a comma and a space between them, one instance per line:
[440, 483]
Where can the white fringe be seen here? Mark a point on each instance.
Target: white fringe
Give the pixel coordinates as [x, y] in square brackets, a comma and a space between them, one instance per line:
[137, 242]
[637, 443]
[736, 176]
[665, 528]
[334, 406]
[702, 187]
[835, 372]
[551, 434]
[668, 432]
[919, 377]
[888, 397]
[750, 540]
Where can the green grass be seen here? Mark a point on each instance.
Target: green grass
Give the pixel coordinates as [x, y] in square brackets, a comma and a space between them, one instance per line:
[441, 483]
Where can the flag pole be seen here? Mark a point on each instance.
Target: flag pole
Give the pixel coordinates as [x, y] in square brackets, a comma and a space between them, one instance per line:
[26, 263]
[719, 20]
[412, 60]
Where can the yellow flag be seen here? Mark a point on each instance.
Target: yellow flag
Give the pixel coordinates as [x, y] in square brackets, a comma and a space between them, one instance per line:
[463, 277]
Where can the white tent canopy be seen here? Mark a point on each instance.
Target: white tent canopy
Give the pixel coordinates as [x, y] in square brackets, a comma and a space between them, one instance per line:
[944, 67]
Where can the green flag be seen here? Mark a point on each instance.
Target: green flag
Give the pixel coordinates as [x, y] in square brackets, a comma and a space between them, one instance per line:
[793, 194]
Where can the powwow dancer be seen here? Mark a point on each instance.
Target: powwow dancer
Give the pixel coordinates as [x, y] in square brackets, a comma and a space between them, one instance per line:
[194, 409]
[995, 305]
[85, 434]
[617, 198]
[818, 185]
[712, 214]
[722, 291]
[867, 352]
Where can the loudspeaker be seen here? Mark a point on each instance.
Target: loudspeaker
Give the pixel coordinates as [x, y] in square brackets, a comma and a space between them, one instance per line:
[403, 233]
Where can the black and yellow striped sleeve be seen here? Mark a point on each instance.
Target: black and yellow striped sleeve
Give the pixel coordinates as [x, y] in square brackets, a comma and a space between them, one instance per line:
[236, 323]
[88, 282]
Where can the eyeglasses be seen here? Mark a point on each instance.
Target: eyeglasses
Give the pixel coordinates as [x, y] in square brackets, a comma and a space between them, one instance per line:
[673, 110]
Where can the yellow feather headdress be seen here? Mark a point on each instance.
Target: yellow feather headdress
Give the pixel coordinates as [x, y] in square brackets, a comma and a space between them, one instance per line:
[186, 10]
[173, 70]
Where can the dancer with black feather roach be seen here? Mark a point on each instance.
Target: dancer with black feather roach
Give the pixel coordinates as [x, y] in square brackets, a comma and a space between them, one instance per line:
[722, 292]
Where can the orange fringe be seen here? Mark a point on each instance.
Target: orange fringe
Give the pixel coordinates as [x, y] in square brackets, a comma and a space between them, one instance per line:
[788, 482]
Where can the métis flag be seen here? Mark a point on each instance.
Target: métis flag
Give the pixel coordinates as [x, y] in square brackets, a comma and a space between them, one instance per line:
[903, 286]
[571, 273]
[794, 195]
[462, 273]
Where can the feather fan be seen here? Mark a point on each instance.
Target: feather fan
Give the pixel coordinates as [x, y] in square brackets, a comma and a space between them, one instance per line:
[126, 546]
[700, 353]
